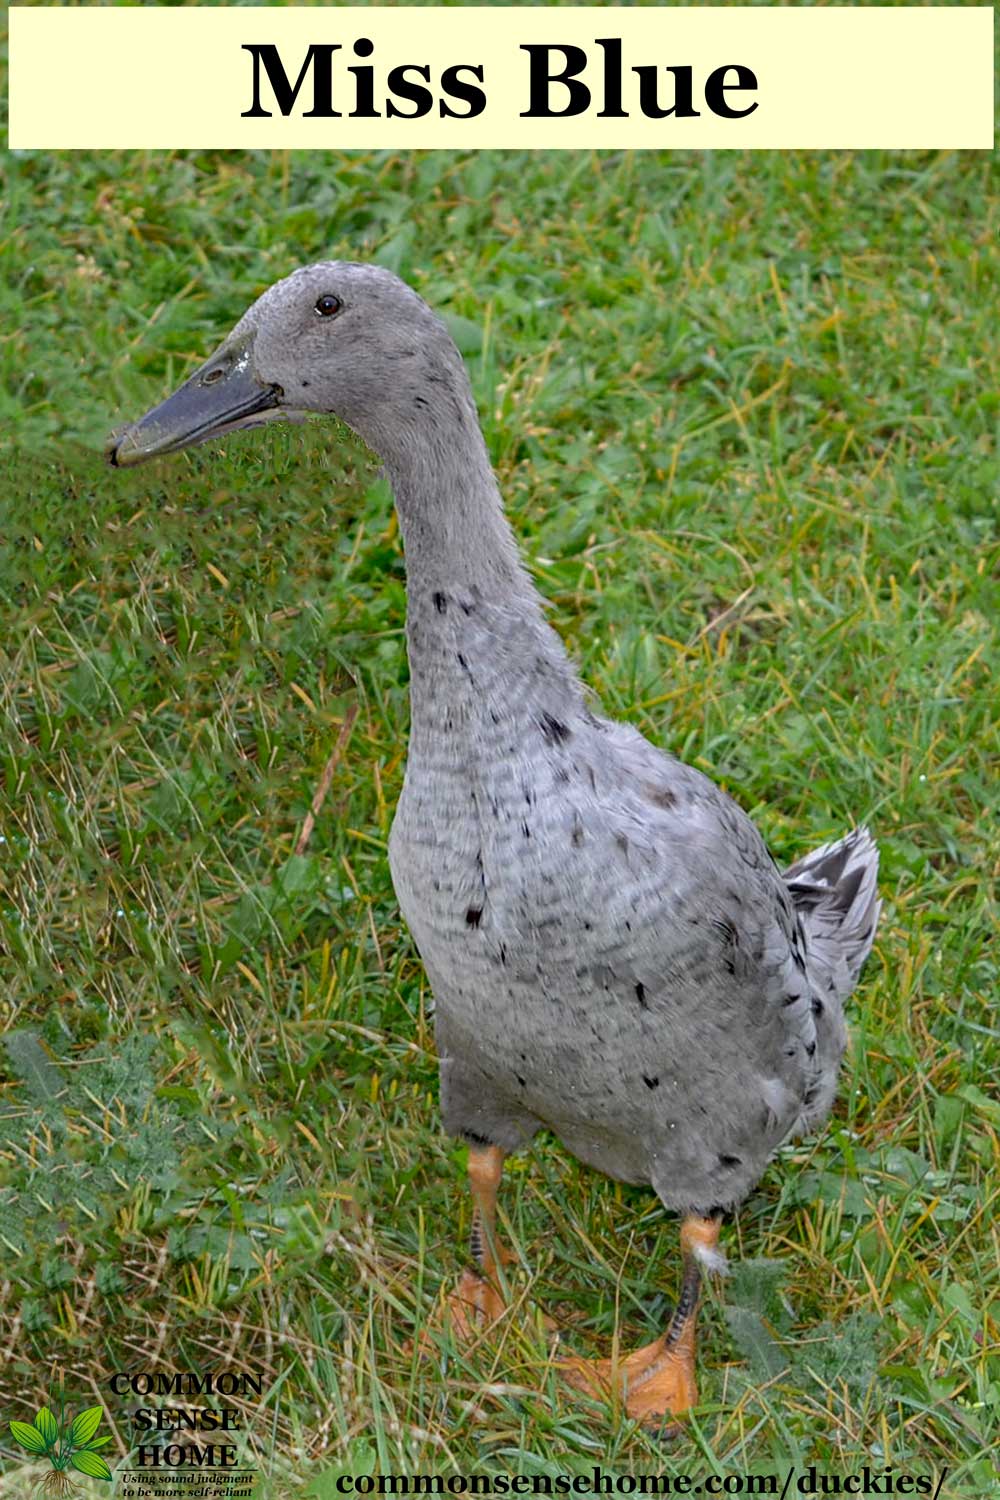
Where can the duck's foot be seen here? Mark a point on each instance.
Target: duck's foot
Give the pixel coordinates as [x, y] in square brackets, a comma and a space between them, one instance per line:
[473, 1307]
[466, 1315]
[654, 1383]
[658, 1381]
[478, 1301]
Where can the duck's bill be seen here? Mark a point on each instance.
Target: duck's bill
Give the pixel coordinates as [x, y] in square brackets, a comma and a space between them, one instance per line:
[223, 396]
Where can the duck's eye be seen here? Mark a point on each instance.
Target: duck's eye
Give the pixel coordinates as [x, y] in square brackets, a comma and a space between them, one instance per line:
[327, 305]
[213, 375]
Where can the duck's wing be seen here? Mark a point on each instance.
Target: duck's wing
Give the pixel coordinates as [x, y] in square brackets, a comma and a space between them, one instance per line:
[835, 894]
[761, 961]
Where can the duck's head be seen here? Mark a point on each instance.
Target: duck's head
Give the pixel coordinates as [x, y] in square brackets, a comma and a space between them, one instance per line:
[351, 340]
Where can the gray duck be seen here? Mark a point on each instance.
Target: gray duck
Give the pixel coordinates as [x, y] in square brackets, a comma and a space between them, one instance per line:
[613, 952]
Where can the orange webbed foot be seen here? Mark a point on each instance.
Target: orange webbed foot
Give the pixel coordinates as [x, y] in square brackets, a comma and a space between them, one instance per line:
[658, 1381]
[653, 1383]
[473, 1307]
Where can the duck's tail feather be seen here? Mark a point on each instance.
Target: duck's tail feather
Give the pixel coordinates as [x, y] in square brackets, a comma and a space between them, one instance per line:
[835, 893]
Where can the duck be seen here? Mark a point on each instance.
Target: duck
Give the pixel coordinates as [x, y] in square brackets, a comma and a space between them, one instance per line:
[614, 954]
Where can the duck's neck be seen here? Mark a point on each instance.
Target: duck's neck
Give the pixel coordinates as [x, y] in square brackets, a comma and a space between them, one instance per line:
[480, 650]
[455, 533]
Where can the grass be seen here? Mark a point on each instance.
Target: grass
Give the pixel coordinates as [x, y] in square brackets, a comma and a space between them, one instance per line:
[745, 414]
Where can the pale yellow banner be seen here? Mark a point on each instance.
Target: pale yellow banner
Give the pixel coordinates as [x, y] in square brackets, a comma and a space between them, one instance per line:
[653, 77]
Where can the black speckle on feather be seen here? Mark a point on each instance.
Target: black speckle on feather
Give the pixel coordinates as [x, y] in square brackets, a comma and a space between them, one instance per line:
[554, 730]
[440, 603]
[651, 1083]
[473, 915]
[640, 995]
[806, 897]
[726, 931]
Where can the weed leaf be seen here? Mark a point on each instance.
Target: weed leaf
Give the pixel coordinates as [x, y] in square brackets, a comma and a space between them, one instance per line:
[33, 1065]
[360, 1460]
[96, 1443]
[28, 1436]
[47, 1425]
[91, 1463]
[85, 1425]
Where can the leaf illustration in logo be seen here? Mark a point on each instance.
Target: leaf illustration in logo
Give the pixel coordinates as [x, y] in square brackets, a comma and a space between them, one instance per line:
[96, 1443]
[85, 1425]
[29, 1437]
[90, 1463]
[47, 1425]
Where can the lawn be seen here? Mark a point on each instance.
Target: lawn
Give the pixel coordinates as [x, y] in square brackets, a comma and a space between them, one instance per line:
[745, 414]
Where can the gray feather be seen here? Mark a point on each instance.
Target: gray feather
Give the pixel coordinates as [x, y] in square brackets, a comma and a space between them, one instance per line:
[836, 895]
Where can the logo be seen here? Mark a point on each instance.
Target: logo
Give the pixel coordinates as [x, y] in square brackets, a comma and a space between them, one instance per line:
[70, 1443]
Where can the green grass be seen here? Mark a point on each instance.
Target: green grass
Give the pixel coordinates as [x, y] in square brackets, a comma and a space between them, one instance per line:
[745, 414]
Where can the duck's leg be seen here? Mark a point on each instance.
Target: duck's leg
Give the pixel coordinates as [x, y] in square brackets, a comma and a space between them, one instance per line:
[659, 1380]
[478, 1299]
